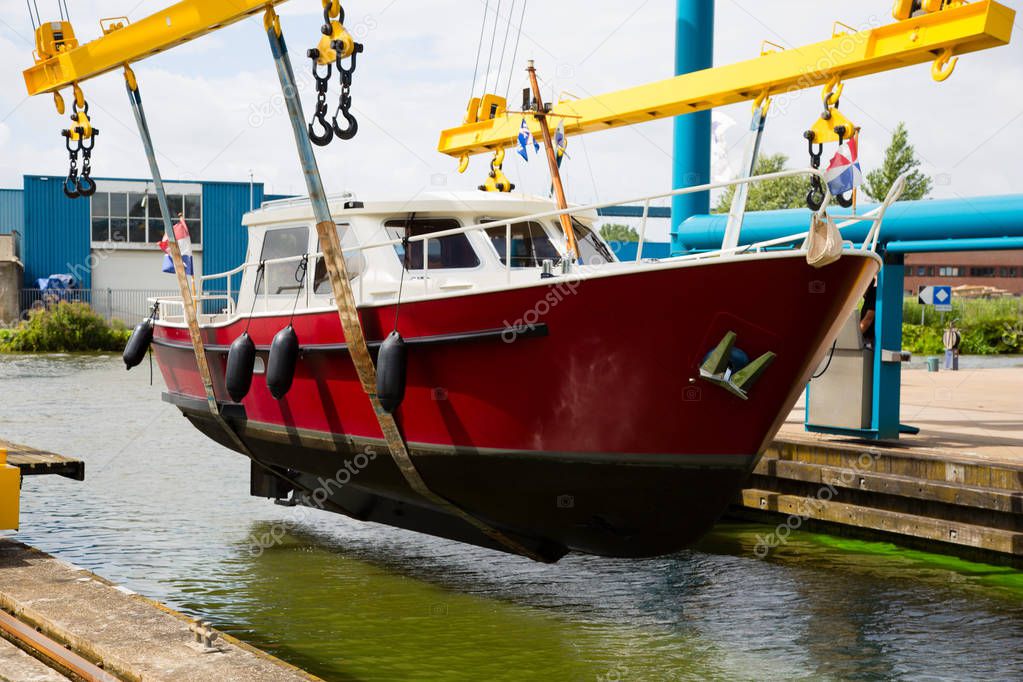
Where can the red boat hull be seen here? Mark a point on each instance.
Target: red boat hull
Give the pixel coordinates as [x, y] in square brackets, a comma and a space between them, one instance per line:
[590, 430]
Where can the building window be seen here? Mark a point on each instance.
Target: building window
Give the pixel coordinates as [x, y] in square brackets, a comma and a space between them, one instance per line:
[982, 272]
[450, 252]
[136, 218]
[949, 272]
[921, 270]
[1007, 272]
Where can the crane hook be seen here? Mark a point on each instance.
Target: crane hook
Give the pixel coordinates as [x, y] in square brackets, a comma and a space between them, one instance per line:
[944, 65]
[351, 129]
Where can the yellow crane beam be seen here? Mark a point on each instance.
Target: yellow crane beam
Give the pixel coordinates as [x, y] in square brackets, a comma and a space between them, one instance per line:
[177, 24]
[936, 36]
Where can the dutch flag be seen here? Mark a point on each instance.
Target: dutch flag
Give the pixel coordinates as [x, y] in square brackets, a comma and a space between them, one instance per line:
[184, 243]
[844, 174]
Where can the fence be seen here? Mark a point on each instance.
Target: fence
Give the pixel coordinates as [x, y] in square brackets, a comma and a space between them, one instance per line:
[127, 305]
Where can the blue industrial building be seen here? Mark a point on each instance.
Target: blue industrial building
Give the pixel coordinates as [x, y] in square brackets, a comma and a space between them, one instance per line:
[122, 222]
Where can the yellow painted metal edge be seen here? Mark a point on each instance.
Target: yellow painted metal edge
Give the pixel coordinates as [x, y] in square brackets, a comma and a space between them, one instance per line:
[177, 24]
[969, 28]
[10, 493]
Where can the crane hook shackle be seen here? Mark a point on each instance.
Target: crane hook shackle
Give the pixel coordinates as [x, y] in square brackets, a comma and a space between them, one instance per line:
[944, 65]
[335, 46]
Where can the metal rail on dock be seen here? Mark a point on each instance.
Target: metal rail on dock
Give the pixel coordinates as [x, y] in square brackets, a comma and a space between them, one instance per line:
[54, 654]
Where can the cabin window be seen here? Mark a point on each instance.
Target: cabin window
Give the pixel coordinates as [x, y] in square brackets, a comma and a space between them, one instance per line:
[451, 252]
[530, 245]
[283, 278]
[592, 251]
[355, 262]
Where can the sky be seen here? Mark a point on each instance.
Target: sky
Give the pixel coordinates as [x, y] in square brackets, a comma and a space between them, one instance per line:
[216, 114]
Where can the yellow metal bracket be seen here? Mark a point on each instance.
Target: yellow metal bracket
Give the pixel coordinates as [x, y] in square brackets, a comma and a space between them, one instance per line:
[111, 24]
[497, 181]
[271, 20]
[10, 493]
[81, 127]
[832, 126]
[944, 65]
[129, 78]
[54, 38]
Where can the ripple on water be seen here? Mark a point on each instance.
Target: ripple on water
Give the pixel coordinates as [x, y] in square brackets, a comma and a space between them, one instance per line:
[166, 512]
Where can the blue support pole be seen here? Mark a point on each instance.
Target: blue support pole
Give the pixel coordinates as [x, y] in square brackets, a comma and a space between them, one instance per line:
[694, 50]
[888, 336]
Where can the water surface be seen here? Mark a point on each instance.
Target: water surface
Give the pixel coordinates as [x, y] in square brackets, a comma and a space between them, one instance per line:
[166, 512]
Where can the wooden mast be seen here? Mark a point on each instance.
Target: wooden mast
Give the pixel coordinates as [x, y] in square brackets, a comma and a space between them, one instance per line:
[552, 160]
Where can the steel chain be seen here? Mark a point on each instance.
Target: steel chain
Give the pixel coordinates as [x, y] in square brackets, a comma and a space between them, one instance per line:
[344, 104]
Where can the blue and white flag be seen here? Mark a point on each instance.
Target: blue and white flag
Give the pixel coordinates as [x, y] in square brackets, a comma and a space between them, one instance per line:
[560, 142]
[844, 173]
[525, 138]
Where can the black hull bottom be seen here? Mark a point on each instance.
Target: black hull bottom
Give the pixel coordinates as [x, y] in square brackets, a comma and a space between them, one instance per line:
[552, 503]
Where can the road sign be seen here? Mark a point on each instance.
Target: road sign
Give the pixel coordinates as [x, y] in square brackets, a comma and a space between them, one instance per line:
[938, 296]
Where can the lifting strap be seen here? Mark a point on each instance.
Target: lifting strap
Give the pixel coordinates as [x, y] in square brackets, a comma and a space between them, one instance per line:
[187, 299]
[330, 244]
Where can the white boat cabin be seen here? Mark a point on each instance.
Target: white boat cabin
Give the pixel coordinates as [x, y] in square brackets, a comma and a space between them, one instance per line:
[468, 254]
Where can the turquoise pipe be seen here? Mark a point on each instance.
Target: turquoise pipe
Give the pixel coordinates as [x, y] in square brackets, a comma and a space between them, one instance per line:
[989, 219]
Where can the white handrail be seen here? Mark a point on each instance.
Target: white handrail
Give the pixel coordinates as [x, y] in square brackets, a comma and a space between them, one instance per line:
[508, 223]
[642, 231]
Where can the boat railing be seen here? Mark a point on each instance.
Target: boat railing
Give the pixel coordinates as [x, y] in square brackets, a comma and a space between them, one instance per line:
[875, 215]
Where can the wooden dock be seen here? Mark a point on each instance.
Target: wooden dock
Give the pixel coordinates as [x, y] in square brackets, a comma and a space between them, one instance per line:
[33, 462]
[956, 487]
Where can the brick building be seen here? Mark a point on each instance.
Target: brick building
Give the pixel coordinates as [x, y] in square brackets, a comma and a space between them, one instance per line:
[1000, 269]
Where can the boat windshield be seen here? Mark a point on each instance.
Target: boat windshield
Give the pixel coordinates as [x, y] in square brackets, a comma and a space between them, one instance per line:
[530, 245]
[592, 251]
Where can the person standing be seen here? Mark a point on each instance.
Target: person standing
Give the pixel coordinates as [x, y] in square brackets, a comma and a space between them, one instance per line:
[868, 313]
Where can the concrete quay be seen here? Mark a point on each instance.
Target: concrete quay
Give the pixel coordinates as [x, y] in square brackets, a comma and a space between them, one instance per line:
[130, 637]
[956, 487]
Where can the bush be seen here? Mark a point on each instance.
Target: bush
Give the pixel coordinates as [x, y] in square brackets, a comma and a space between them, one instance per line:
[922, 340]
[64, 327]
[988, 327]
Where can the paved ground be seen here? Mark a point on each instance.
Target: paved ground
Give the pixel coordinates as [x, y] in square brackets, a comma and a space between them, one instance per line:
[973, 415]
[133, 637]
[17, 666]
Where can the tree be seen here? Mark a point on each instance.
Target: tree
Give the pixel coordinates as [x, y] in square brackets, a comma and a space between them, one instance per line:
[898, 158]
[773, 194]
[616, 232]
